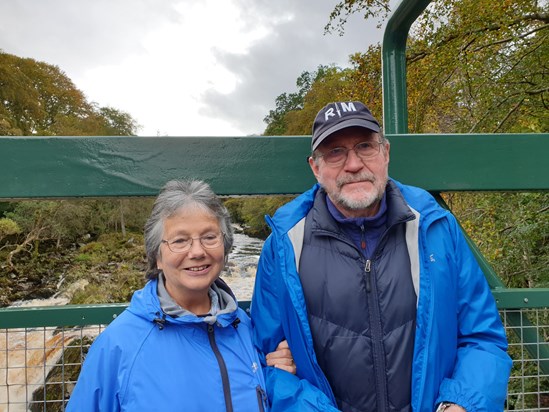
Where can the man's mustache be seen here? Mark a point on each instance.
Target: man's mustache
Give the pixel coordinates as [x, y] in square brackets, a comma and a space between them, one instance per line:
[363, 177]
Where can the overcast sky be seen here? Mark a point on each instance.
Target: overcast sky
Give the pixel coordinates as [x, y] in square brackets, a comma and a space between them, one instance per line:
[183, 67]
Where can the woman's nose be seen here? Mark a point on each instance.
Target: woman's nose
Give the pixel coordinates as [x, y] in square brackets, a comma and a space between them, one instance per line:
[196, 248]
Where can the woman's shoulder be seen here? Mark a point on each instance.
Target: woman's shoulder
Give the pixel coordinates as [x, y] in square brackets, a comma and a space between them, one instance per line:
[125, 330]
[244, 317]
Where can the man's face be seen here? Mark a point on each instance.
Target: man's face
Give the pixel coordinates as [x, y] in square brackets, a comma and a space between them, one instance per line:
[355, 186]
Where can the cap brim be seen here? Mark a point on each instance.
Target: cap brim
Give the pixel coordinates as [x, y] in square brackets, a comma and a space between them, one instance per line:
[367, 124]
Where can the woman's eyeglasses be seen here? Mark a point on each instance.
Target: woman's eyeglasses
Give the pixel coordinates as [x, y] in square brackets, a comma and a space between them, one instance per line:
[183, 244]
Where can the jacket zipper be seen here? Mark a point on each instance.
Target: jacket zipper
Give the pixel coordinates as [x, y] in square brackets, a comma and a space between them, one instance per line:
[375, 327]
[261, 398]
[222, 370]
[377, 340]
[367, 268]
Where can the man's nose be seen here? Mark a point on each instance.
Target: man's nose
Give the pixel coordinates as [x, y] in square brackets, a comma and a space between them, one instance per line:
[353, 161]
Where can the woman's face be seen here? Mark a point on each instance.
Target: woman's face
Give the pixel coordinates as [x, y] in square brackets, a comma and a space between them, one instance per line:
[189, 274]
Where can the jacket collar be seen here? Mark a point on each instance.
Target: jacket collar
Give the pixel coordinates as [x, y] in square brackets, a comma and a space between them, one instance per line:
[145, 303]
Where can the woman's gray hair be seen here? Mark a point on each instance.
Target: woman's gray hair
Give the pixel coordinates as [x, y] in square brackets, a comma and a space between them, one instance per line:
[177, 195]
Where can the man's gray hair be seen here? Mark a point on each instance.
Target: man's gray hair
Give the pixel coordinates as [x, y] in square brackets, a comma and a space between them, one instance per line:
[175, 196]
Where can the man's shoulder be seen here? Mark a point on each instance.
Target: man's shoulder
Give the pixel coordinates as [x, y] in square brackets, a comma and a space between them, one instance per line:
[417, 198]
[409, 189]
[296, 209]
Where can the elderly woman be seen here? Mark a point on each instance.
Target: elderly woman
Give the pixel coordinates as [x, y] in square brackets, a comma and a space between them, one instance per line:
[183, 344]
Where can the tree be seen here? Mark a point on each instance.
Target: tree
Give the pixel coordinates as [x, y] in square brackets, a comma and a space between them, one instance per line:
[281, 120]
[362, 81]
[473, 66]
[37, 98]
[116, 122]
[489, 61]
[342, 10]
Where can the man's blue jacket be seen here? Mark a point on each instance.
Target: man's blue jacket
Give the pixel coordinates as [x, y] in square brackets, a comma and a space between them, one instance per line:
[460, 352]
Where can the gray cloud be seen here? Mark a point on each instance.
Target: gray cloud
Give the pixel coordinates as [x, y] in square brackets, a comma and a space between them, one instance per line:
[272, 65]
[75, 34]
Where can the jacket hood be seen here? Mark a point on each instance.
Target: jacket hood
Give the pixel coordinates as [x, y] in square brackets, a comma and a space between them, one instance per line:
[292, 212]
[146, 304]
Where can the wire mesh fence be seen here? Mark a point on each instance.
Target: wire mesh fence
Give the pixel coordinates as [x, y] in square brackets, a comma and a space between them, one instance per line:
[528, 388]
[39, 366]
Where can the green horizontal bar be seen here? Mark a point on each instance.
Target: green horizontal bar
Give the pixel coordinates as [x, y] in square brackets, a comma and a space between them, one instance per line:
[139, 166]
[71, 315]
[462, 162]
[60, 167]
[521, 298]
[68, 315]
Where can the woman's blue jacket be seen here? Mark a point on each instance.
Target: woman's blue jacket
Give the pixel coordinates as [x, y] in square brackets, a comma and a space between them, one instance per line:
[460, 344]
[144, 361]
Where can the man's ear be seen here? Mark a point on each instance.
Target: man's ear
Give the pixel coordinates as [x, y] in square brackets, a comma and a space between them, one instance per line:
[314, 166]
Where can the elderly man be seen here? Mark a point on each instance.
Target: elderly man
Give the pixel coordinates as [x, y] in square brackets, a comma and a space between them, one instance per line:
[373, 285]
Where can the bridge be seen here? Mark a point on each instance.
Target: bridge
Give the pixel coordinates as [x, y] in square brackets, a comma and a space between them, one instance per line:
[91, 167]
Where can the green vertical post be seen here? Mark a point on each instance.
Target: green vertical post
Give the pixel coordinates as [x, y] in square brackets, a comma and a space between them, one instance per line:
[393, 52]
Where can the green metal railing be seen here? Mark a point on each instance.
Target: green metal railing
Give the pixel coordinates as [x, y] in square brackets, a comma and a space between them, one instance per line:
[68, 167]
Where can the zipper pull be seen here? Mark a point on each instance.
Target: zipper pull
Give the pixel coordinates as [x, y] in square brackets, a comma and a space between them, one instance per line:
[367, 268]
[262, 399]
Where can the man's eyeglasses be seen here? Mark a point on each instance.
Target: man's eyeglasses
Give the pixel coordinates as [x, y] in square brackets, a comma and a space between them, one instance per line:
[364, 150]
[183, 244]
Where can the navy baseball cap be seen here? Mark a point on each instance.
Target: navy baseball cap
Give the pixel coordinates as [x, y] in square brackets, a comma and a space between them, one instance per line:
[339, 115]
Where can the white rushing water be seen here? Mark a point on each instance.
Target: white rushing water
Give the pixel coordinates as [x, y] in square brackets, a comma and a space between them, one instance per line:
[242, 264]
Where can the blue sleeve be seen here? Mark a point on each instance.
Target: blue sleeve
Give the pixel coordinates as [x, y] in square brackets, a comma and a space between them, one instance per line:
[265, 311]
[482, 368]
[97, 385]
[286, 392]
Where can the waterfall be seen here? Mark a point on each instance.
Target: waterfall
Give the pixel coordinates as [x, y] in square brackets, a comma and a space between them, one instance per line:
[26, 358]
[241, 265]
